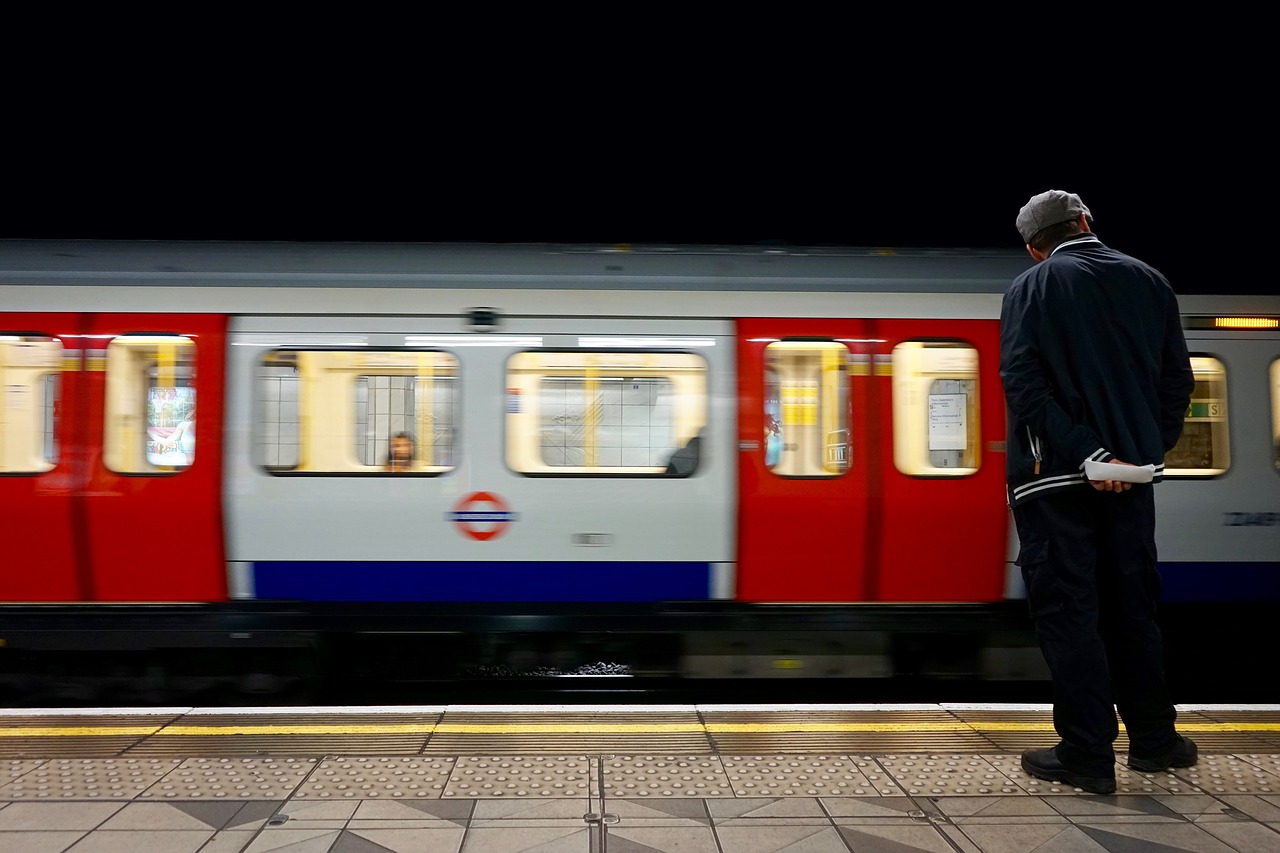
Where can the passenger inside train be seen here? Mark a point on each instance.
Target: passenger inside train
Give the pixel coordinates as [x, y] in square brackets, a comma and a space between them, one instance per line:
[685, 460]
[400, 456]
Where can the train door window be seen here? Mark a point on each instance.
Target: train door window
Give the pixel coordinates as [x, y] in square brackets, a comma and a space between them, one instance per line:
[276, 433]
[151, 404]
[341, 411]
[935, 409]
[605, 413]
[31, 382]
[394, 409]
[806, 408]
[1203, 450]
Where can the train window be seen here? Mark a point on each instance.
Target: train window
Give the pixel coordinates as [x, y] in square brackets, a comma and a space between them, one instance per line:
[806, 408]
[1203, 450]
[1275, 412]
[30, 377]
[935, 409]
[276, 424]
[340, 411]
[605, 413]
[151, 404]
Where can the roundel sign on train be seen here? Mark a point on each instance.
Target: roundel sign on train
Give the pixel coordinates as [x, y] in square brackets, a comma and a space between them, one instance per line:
[482, 516]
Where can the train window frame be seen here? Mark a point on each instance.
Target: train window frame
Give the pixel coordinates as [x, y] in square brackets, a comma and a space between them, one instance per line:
[791, 404]
[344, 408]
[1209, 415]
[936, 418]
[164, 364]
[524, 448]
[1273, 371]
[31, 379]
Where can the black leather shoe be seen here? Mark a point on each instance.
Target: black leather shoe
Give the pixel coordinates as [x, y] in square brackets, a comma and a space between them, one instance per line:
[1184, 754]
[1044, 764]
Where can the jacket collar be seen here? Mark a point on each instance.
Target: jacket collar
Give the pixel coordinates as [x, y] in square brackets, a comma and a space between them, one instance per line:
[1078, 240]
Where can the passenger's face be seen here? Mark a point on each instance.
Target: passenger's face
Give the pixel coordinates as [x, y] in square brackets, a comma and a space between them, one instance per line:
[401, 449]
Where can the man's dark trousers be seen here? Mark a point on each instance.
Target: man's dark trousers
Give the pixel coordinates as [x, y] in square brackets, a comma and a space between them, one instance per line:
[1089, 562]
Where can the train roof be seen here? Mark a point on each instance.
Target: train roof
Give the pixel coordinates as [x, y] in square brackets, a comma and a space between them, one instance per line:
[508, 266]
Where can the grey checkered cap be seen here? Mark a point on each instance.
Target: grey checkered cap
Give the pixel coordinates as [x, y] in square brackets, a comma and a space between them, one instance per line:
[1049, 208]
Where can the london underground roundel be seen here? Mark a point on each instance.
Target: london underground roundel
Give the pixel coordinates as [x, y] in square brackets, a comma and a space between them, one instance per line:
[482, 516]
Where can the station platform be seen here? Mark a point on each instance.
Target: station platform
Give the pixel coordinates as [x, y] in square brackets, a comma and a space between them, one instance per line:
[612, 779]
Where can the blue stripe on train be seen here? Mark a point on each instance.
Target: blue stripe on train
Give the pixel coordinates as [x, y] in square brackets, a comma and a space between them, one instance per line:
[465, 581]
[1258, 581]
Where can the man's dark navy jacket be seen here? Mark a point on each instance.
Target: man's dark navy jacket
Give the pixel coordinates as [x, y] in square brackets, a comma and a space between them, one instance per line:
[1094, 365]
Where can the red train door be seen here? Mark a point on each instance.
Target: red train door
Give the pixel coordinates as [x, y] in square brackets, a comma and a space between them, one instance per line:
[41, 458]
[804, 462]
[943, 518]
[153, 512]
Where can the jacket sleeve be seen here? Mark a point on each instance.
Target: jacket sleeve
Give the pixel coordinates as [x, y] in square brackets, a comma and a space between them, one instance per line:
[1177, 380]
[1027, 387]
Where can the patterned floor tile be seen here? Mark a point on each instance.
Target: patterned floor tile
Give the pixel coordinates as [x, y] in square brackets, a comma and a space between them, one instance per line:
[436, 839]
[875, 837]
[765, 807]
[168, 840]
[39, 841]
[1153, 836]
[685, 839]
[552, 839]
[294, 841]
[75, 815]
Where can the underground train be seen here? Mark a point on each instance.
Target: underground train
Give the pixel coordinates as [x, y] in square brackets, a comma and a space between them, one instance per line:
[707, 461]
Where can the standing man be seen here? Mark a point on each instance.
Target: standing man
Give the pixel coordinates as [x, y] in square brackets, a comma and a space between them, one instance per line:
[1095, 369]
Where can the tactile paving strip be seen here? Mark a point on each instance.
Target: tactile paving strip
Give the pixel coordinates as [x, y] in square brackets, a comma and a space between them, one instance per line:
[949, 775]
[1127, 781]
[659, 776]
[88, 779]
[372, 777]
[1231, 774]
[17, 768]
[806, 776]
[535, 777]
[232, 778]
[848, 731]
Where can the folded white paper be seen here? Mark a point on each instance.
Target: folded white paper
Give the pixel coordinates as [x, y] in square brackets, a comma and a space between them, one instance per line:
[1123, 473]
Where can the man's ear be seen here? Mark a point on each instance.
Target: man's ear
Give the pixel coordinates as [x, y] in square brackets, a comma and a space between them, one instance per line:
[1036, 253]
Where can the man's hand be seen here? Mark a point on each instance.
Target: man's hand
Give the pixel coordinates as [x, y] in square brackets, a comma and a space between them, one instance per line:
[1112, 485]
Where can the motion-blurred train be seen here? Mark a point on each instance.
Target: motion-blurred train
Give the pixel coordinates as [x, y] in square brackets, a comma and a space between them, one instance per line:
[701, 461]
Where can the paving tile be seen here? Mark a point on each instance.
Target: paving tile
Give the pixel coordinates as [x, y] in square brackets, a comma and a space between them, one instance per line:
[1244, 837]
[71, 815]
[39, 841]
[1033, 838]
[370, 812]
[873, 837]
[550, 839]
[167, 840]
[685, 839]
[1173, 836]
[436, 839]
[294, 841]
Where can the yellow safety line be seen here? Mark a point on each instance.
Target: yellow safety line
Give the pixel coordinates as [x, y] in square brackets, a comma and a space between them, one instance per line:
[580, 728]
